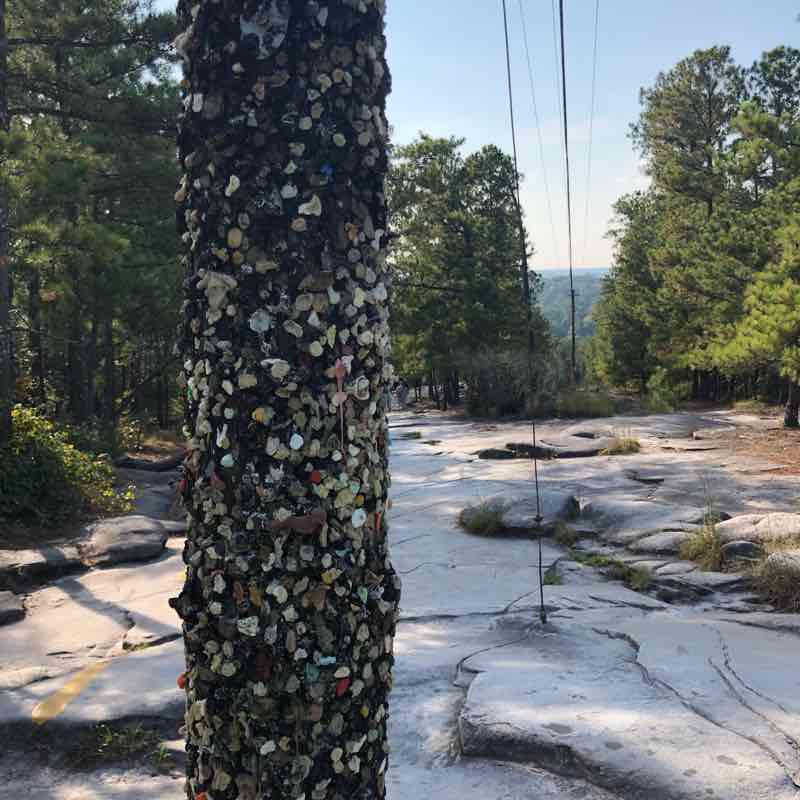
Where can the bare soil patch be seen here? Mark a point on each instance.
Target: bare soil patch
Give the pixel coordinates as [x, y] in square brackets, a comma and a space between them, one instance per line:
[780, 446]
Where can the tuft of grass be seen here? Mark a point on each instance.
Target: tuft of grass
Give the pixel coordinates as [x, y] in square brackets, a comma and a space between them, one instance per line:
[593, 560]
[106, 744]
[565, 535]
[486, 518]
[704, 547]
[636, 578]
[622, 446]
[553, 577]
[777, 580]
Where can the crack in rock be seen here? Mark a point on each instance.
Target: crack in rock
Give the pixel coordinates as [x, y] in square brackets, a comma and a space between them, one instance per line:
[728, 660]
[410, 539]
[793, 775]
[650, 679]
[623, 604]
[425, 564]
[424, 618]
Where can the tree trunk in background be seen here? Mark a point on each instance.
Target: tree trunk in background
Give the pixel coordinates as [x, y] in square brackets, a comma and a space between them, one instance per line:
[6, 335]
[290, 601]
[90, 350]
[162, 387]
[77, 362]
[35, 337]
[109, 390]
[792, 412]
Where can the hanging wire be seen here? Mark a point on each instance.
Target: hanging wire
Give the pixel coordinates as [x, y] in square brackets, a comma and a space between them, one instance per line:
[591, 131]
[527, 293]
[569, 190]
[538, 126]
[557, 74]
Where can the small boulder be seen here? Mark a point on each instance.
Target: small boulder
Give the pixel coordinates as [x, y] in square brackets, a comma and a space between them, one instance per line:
[555, 506]
[774, 527]
[123, 539]
[496, 454]
[742, 550]
[665, 543]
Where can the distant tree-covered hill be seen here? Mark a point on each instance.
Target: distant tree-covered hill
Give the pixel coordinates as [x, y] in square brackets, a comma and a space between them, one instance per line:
[555, 301]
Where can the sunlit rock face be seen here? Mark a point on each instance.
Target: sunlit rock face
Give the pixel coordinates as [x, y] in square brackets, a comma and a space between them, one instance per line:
[290, 600]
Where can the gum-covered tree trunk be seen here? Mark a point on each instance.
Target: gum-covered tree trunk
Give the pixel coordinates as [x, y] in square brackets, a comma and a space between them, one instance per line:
[290, 601]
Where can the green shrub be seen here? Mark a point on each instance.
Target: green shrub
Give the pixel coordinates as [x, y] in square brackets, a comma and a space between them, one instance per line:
[45, 478]
[664, 392]
[126, 437]
[578, 403]
[496, 382]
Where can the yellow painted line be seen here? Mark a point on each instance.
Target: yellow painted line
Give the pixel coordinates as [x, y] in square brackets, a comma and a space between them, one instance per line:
[54, 705]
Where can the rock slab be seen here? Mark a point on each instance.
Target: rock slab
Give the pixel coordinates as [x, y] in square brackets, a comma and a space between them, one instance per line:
[581, 702]
[23, 565]
[123, 539]
[11, 608]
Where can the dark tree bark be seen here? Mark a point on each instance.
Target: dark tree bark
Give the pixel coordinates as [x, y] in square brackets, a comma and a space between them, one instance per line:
[76, 376]
[6, 336]
[791, 416]
[290, 601]
[109, 373]
[90, 355]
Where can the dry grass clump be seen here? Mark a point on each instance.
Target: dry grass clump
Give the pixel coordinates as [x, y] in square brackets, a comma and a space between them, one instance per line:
[622, 446]
[777, 580]
[565, 535]
[486, 518]
[704, 547]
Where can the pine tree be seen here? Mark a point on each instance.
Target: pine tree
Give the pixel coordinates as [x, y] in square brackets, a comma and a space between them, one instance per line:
[6, 336]
[685, 123]
[290, 600]
[768, 332]
[457, 262]
[88, 164]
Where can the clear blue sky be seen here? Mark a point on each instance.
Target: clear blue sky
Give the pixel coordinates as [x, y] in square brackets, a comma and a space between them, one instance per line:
[448, 63]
